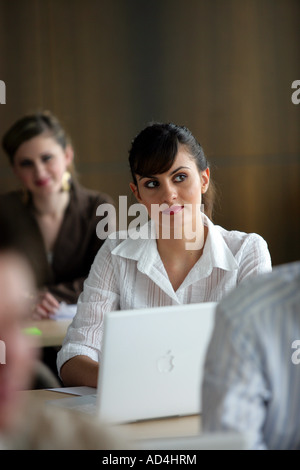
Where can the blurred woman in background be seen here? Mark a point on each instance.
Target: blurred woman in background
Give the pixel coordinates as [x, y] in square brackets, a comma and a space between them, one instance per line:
[56, 214]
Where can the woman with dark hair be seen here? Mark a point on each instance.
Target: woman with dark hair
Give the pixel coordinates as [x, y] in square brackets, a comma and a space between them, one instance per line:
[52, 218]
[154, 151]
[196, 262]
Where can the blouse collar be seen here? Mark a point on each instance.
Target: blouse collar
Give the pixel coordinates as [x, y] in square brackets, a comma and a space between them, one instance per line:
[216, 253]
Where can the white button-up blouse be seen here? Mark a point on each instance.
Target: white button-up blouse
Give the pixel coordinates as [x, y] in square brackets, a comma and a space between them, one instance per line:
[129, 274]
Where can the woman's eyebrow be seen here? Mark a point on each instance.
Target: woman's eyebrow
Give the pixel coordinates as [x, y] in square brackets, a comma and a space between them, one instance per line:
[170, 174]
[147, 176]
[179, 168]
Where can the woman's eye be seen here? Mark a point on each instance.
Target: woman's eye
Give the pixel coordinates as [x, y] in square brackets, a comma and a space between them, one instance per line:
[25, 163]
[180, 178]
[46, 158]
[151, 184]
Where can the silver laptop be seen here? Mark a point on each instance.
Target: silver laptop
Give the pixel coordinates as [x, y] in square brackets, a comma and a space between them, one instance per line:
[151, 363]
[226, 440]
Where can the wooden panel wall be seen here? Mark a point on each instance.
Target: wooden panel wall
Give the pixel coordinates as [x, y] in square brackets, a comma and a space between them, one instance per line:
[224, 68]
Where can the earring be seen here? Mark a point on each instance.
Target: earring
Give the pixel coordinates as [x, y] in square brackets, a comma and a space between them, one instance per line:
[66, 181]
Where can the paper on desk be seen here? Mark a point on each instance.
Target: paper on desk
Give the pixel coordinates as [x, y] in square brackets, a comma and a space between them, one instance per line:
[65, 312]
[81, 391]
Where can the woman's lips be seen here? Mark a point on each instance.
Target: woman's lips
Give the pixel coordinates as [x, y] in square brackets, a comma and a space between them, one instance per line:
[172, 210]
[42, 182]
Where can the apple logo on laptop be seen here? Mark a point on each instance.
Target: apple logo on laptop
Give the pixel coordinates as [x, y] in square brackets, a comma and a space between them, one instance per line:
[165, 363]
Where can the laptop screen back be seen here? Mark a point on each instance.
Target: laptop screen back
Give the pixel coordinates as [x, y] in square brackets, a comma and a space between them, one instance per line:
[152, 361]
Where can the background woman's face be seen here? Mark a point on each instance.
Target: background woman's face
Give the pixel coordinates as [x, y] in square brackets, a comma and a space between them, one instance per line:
[40, 163]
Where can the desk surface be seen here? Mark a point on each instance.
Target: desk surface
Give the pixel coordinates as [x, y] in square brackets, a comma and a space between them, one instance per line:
[52, 331]
[155, 428]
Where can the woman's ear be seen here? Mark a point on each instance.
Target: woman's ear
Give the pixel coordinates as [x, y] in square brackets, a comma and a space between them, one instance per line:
[205, 176]
[135, 191]
[69, 155]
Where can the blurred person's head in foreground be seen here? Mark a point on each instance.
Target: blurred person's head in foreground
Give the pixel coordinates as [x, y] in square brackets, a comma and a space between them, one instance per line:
[17, 355]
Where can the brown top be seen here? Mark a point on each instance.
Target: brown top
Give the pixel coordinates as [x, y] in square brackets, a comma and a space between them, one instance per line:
[76, 245]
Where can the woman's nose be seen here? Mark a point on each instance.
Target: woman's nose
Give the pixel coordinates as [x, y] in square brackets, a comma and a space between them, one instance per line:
[169, 194]
[39, 170]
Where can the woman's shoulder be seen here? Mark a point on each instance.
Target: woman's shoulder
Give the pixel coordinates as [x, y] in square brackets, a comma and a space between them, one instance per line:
[91, 196]
[119, 237]
[84, 203]
[123, 245]
[11, 196]
[13, 203]
[236, 239]
[250, 250]
[236, 234]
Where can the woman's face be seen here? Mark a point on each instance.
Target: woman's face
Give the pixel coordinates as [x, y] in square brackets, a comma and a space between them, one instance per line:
[40, 163]
[179, 189]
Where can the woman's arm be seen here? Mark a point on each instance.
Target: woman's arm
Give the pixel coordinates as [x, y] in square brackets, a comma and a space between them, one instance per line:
[67, 291]
[255, 257]
[79, 355]
[80, 370]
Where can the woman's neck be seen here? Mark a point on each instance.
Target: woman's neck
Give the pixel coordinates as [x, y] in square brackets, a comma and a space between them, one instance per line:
[171, 248]
[51, 205]
[178, 259]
